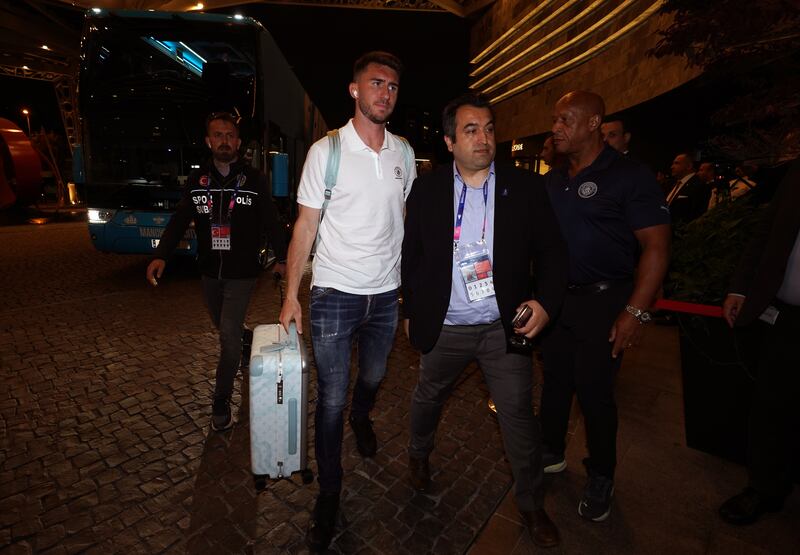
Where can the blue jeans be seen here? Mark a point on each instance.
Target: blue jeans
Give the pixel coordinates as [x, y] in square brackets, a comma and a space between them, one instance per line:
[338, 320]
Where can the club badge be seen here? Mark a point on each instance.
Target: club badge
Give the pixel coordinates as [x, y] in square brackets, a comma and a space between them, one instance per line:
[587, 190]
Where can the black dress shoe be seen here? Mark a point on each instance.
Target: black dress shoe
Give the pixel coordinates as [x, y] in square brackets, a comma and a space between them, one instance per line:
[541, 529]
[419, 474]
[323, 522]
[748, 507]
[366, 442]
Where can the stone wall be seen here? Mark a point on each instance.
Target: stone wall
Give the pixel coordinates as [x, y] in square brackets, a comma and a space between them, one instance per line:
[623, 74]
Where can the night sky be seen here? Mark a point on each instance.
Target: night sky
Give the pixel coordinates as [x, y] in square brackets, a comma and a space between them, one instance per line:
[322, 43]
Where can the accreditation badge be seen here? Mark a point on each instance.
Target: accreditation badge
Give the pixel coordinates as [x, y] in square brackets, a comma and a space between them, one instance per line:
[476, 270]
[220, 237]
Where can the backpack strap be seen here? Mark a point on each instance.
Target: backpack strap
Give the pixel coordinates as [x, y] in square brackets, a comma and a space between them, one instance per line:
[331, 172]
[408, 156]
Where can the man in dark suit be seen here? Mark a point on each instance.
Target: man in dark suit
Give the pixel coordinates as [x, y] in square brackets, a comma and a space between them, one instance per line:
[688, 198]
[766, 287]
[472, 232]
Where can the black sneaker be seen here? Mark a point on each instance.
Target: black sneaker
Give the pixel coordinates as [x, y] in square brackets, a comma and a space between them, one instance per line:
[366, 441]
[323, 522]
[596, 502]
[221, 415]
[553, 463]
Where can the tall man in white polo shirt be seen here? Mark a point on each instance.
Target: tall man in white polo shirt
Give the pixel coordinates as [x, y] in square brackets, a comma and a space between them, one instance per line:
[356, 271]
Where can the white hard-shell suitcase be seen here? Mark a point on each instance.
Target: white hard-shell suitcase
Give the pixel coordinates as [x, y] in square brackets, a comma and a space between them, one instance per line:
[278, 404]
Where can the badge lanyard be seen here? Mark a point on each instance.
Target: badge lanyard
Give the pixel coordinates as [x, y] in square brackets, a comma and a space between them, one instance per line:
[221, 232]
[460, 213]
[473, 258]
[239, 181]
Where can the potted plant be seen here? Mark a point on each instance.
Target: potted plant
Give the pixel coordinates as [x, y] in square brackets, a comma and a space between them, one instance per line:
[717, 362]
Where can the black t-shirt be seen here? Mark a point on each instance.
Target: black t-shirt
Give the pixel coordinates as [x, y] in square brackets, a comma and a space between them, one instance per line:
[599, 209]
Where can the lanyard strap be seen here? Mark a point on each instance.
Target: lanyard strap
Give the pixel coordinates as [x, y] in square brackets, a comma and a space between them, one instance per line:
[460, 213]
[239, 182]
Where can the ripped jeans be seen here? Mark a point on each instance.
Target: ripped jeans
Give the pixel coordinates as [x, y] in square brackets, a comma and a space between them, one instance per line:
[339, 320]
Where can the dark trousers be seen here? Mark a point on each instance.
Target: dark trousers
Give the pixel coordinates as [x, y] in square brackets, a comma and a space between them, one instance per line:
[774, 420]
[577, 361]
[227, 301]
[338, 320]
[510, 381]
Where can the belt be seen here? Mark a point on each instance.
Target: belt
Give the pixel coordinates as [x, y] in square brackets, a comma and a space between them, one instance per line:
[592, 288]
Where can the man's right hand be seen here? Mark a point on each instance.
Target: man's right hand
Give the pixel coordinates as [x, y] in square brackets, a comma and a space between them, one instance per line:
[291, 310]
[731, 308]
[154, 270]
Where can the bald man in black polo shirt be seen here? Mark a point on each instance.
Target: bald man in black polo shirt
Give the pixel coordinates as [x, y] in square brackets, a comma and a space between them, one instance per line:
[609, 208]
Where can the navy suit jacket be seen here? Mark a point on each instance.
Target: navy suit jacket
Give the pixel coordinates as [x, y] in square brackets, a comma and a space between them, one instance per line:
[526, 238]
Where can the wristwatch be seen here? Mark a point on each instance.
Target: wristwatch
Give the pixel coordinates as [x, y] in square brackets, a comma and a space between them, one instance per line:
[642, 315]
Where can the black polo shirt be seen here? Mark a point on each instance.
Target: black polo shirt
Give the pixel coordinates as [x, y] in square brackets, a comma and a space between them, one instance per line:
[599, 209]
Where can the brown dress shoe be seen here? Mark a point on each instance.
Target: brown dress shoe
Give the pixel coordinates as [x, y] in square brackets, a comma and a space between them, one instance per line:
[542, 530]
[419, 474]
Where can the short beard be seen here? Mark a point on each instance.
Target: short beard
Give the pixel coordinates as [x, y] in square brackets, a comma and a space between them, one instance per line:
[365, 110]
[225, 157]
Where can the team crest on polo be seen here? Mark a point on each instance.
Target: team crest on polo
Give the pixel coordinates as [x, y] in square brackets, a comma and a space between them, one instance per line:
[398, 173]
[204, 181]
[587, 190]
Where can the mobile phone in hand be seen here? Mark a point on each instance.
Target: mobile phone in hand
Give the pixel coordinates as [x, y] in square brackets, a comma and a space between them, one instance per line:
[521, 317]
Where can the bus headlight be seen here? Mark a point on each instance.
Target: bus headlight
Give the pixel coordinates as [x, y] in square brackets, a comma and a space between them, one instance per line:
[100, 215]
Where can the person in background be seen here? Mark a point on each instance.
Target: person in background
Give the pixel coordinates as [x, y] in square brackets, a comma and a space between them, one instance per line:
[614, 220]
[233, 214]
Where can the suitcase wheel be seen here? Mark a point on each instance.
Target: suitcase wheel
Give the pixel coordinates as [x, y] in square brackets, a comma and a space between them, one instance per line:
[260, 481]
[307, 476]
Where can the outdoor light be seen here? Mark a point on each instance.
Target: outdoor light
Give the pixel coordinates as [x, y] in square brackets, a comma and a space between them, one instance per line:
[45, 47]
[198, 6]
[100, 215]
[238, 16]
[27, 114]
[26, 68]
[96, 10]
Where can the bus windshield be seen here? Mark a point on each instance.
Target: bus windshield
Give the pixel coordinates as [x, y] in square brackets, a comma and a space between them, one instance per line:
[145, 94]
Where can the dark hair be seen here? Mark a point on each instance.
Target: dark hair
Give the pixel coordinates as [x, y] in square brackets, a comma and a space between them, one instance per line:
[224, 116]
[621, 120]
[690, 156]
[377, 57]
[449, 113]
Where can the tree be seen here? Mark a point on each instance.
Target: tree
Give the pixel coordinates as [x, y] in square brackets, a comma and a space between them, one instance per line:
[751, 48]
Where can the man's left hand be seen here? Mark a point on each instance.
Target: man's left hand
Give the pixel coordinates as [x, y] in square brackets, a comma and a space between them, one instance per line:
[538, 320]
[625, 333]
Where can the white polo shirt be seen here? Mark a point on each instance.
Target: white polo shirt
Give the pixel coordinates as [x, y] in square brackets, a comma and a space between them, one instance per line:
[362, 232]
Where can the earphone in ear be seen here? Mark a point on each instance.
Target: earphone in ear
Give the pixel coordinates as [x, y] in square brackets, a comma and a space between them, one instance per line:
[355, 94]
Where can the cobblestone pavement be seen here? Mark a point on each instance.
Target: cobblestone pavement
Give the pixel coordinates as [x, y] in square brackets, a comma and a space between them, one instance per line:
[105, 437]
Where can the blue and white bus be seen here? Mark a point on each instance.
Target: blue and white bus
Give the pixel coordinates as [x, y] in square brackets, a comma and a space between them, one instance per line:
[147, 82]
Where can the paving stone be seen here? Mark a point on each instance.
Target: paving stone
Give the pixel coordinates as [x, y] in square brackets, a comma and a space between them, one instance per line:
[107, 415]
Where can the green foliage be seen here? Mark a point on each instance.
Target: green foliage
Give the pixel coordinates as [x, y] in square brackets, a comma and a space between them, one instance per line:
[706, 251]
[751, 48]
